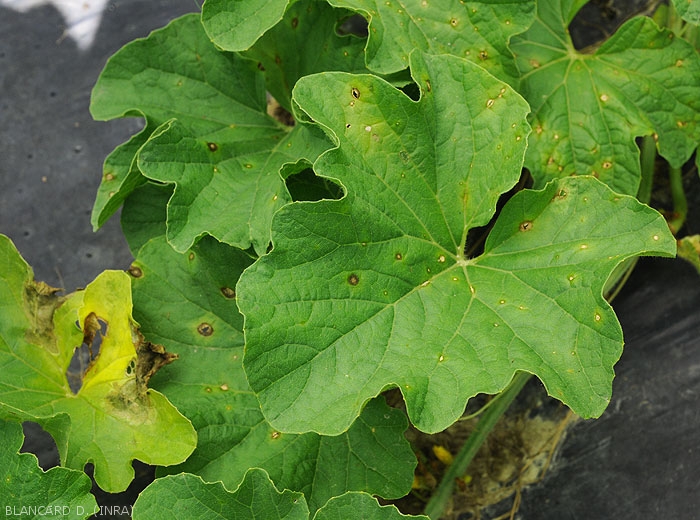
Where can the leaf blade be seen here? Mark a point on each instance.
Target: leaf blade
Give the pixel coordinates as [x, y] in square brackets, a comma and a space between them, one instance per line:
[405, 303]
[587, 109]
[209, 386]
[114, 417]
[207, 133]
[28, 490]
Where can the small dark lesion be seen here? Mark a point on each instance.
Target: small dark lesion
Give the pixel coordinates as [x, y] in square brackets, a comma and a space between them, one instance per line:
[526, 225]
[205, 329]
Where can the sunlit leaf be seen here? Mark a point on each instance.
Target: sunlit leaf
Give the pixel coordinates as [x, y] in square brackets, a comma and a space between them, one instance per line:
[588, 108]
[375, 290]
[187, 303]
[188, 496]
[257, 498]
[476, 30]
[208, 134]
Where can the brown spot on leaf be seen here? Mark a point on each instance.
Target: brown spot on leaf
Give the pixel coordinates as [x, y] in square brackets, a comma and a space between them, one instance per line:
[135, 271]
[228, 293]
[150, 357]
[205, 329]
[561, 194]
[213, 146]
[526, 225]
[355, 93]
[40, 302]
[91, 327]
[353, 279]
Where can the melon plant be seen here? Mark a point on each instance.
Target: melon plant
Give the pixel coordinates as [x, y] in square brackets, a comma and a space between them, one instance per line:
[333, 200]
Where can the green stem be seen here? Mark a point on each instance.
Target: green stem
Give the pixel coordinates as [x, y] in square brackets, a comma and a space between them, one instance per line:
[680, 203]
[647, 161]
[438, 502]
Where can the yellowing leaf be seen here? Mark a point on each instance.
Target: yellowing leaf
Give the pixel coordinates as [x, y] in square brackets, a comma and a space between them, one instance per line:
[114, 418]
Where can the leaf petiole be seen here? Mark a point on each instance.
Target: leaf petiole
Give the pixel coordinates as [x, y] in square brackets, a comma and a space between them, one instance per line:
[680, 203]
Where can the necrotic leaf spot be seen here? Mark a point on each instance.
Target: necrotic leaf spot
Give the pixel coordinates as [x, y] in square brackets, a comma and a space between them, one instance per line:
[228, 292]
[353, 279]
[205, 329]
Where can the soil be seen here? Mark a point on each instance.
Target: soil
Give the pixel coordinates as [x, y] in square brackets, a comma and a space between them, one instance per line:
[516, 454]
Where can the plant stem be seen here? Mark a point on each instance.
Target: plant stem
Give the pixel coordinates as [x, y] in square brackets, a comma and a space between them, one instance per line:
[647, 161]
[438, 502]
[673, 20]
[680, 203]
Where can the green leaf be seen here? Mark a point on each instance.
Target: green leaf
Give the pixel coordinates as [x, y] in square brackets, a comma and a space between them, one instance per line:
[114, 418]
[306, 41]
[359, 505]
[478, 30]
[188, 496]
[374, 290]
[29, 492]
[689, 250]
[119, 178]
[689, 10]
[144, 214]
[237, 25]
[587, 109]
[187, 303]
[213, 139]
